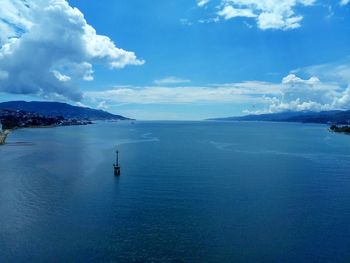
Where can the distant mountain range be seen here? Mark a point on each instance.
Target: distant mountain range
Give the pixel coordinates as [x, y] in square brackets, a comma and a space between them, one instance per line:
[326, 117]
[60, 109]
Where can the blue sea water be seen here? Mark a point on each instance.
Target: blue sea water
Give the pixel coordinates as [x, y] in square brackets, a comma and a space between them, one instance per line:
[189, 192]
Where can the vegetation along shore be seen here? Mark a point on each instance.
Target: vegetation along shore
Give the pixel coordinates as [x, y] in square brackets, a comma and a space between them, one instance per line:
[22, 114]
[340, 129]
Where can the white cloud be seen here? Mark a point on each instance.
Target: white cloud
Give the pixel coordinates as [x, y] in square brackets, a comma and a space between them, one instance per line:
[209, 20]
[344, 2]
[311, 94]
[245, 92]
[185, 22]
[294, 105]
[293, 79]
[60, 76]
[338, 71]
[47, 47]
[171, 80]
[344, 100]
[277, 21]
[269, 14]
[80, 104]
[102, 105]
[202, 3]
[305, 95]
[292, 93]
[230, 12]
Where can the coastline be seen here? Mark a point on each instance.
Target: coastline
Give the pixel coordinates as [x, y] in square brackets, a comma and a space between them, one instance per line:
[340, 129]
[5, 133]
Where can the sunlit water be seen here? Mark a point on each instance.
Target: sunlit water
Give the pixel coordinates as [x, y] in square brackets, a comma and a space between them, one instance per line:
[189, 192]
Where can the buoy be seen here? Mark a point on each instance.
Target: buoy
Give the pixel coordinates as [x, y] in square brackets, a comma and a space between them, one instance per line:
[116, 165]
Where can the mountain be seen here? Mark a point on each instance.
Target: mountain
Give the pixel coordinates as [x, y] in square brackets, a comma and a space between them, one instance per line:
[60, 109]
[336, 116]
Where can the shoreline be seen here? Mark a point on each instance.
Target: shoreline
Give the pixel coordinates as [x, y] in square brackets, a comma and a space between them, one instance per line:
[345, 129]
[5, 133]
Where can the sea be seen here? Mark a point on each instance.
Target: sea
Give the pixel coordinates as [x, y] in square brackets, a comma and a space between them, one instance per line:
[188, 192]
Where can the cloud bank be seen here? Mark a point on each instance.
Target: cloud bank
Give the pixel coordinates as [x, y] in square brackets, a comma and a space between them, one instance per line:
[240, 92]
[47, 47]
[326, 88]
[171, 80]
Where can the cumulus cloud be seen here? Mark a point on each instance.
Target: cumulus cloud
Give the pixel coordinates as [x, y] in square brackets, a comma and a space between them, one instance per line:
[299, 94]
[343, 102]
[293, 79]
[310, 94]
[344, 2]
[338, 73]
[47, 47]
[229, 12]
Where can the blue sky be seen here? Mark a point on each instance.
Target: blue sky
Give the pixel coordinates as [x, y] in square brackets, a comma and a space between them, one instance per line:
[178, 59]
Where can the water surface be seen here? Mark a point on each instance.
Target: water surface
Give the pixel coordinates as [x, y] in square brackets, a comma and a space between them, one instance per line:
[189, 192]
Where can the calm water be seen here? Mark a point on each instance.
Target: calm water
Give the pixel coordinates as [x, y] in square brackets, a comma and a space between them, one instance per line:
[189, 192]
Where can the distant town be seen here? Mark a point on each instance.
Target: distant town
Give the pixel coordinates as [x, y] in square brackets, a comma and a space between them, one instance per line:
[12, 119]
[21, 114]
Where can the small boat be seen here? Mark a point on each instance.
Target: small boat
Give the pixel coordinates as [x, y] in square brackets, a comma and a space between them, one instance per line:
[116, 165]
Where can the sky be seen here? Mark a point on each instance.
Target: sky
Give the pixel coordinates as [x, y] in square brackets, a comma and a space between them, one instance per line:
[178, 59]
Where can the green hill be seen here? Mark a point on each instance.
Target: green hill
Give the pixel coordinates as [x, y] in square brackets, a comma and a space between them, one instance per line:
[60, 109]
